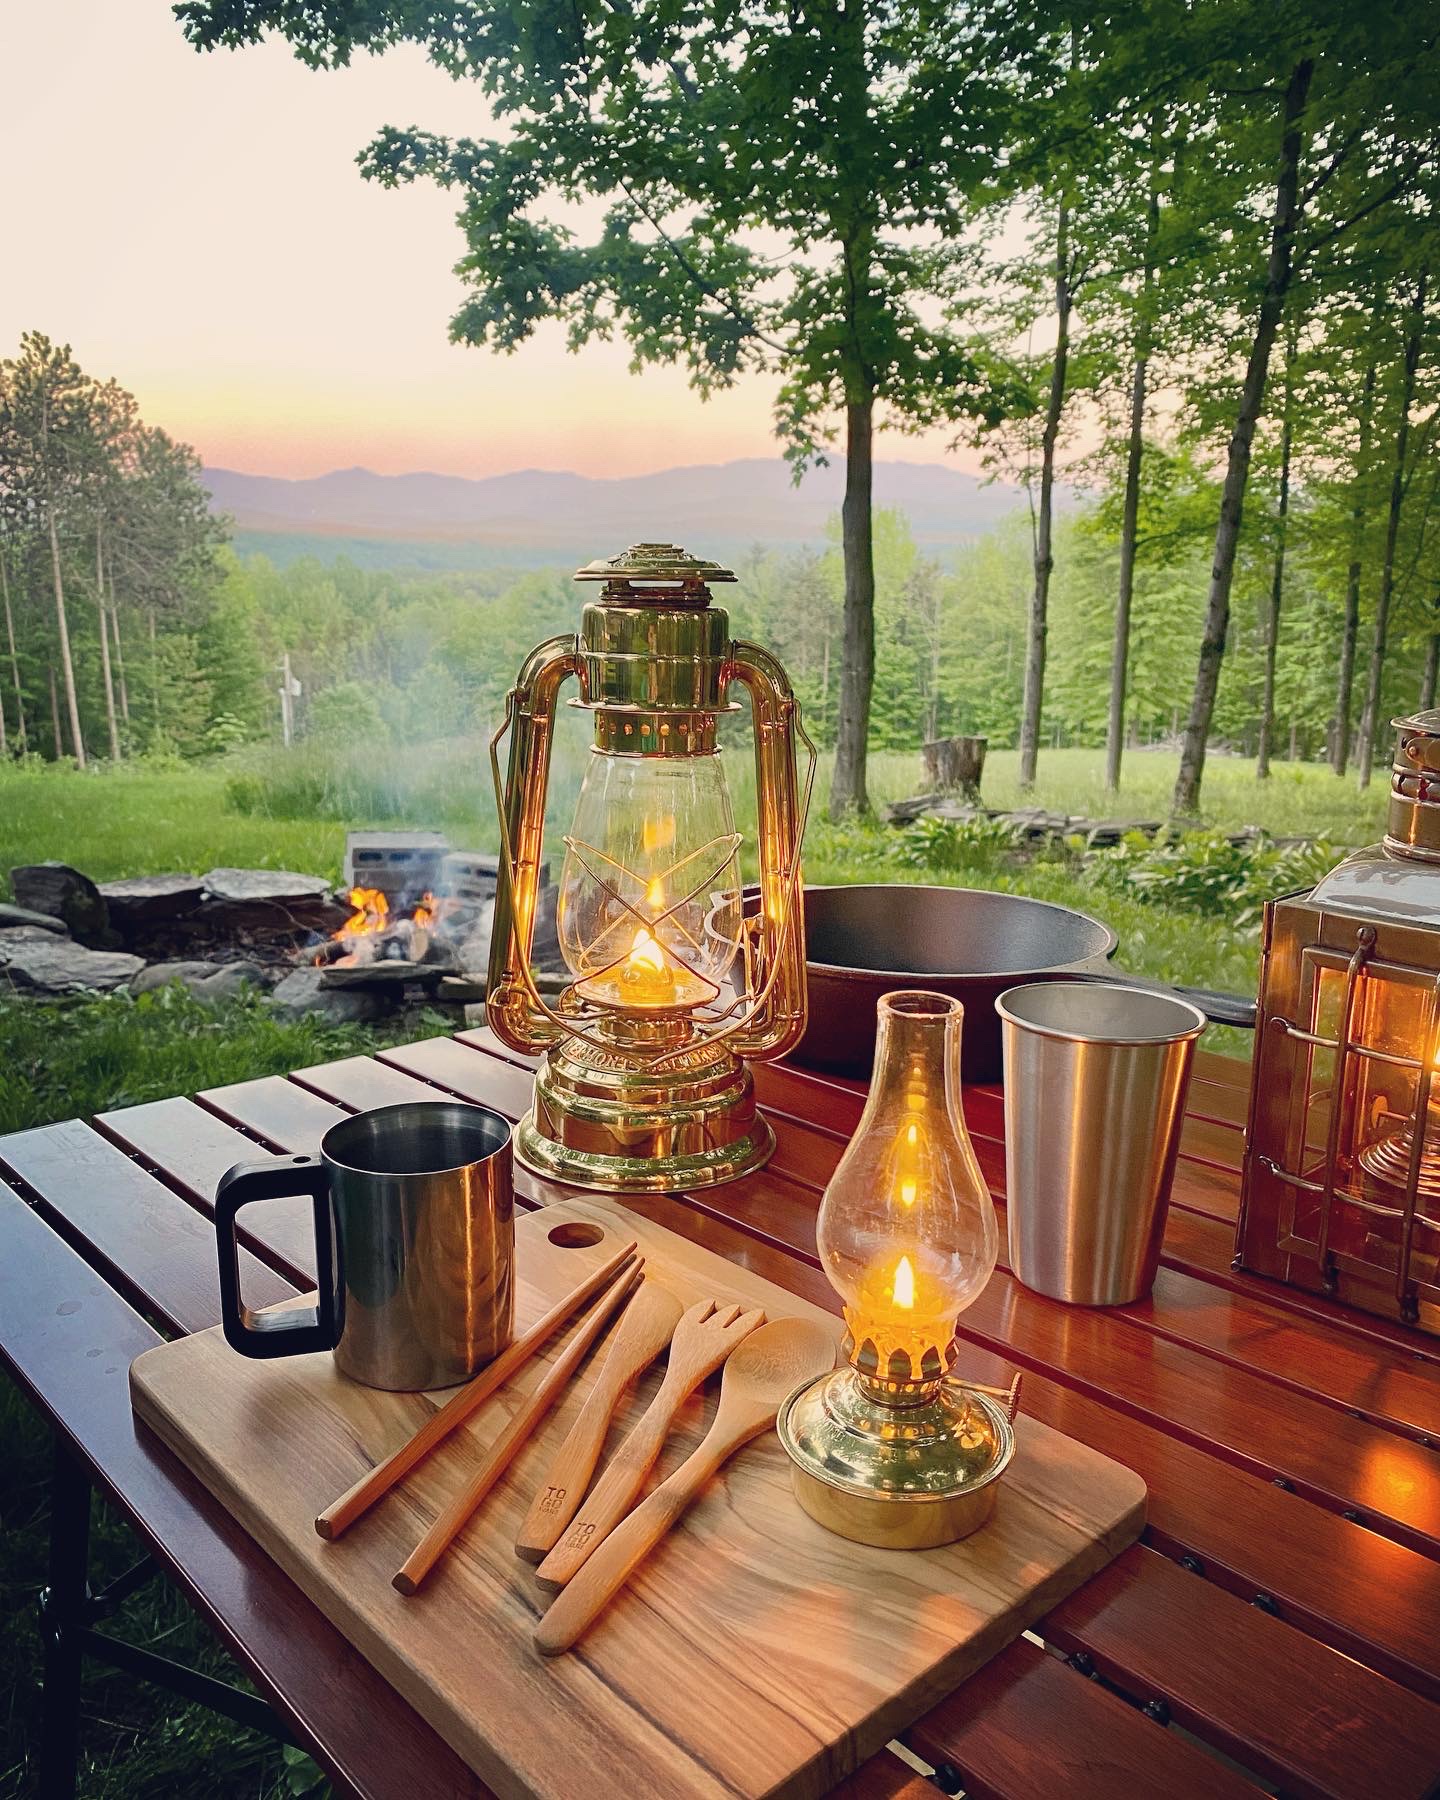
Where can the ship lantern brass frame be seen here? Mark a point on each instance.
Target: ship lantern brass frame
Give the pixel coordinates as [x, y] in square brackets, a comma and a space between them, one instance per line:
[1341, 1191]
[677, 974]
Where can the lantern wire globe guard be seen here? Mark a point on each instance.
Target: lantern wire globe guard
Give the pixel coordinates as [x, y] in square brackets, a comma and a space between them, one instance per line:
[676, 978]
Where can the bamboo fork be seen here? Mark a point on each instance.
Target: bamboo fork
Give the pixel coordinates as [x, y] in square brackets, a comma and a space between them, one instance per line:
[769, 1365]
[703, 1339]
[442, 1533]
[341, 1514]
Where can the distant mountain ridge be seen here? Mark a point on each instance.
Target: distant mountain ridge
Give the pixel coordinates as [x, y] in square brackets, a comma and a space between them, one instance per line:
[534, 514]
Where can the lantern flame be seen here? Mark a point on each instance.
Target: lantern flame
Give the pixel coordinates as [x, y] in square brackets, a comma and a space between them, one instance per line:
[645, 953]
[655, 895]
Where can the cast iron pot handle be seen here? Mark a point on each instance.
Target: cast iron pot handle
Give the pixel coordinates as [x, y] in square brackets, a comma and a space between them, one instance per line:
[1218, 1008]
[289, 1332]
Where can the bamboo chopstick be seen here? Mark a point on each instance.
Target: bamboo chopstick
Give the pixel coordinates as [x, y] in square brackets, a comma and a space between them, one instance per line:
[451, 1522]
[357, 1500]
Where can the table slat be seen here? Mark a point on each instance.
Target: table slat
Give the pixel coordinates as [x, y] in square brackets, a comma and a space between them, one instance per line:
[282, 1113]
[148, 1242]
[191, 1149]
[1026, 1727]
[1294, 1710]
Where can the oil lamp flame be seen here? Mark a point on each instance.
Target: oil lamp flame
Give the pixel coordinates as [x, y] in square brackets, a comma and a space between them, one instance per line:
[903, 1291]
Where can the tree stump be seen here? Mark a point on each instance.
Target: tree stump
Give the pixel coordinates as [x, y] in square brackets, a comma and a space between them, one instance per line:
[955, 765]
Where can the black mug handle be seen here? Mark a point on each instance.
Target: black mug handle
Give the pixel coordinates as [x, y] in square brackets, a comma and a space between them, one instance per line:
[293, 1331]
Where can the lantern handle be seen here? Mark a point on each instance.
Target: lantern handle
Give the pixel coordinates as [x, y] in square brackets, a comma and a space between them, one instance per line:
[517, 1014]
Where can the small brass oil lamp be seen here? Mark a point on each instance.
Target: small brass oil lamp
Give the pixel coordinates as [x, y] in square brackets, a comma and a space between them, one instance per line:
[675, 981]
[891, 1449]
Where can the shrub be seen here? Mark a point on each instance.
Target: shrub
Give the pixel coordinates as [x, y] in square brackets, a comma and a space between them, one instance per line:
[946, 845]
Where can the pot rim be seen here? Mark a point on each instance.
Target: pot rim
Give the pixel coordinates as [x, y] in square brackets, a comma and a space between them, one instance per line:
[917, 978]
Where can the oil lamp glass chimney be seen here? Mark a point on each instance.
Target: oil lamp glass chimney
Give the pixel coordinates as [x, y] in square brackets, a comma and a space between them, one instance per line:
[907, 1231]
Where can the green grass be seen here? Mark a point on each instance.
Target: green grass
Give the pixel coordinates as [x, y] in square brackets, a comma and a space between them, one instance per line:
[141, 820]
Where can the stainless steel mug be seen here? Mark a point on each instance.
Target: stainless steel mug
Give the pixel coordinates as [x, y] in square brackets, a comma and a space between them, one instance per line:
[1095, 1084]
[414, 1242]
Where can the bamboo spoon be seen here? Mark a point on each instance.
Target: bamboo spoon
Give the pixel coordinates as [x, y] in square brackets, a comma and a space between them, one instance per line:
[341, 1514]
[442, 1533]
[647, 1327]
[703, 1339]
[768, 1366]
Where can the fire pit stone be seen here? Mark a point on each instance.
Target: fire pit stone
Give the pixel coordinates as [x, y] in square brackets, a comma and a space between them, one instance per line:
[278, 886]
[146, 899]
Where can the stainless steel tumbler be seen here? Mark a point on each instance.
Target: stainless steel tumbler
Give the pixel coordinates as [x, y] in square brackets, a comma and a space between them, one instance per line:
[414, 1241]
[1095, 1084]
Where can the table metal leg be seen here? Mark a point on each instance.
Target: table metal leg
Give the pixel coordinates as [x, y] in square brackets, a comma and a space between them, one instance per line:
[62, 1613]
[69, 1613]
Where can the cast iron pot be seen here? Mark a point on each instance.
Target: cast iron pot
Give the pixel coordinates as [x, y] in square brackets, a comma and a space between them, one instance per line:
[862, 942]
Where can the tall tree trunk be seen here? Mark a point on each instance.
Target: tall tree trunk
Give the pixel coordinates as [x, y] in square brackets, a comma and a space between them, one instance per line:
[114, 729]
[1038, 627]
[55, 716]
[1237, 469]
[1350, 628]
[119, 653]
[1135, 450]
[1277, 578]
[1432, 669]
[1365, 749]
[155, 677]
[857, 663]
[67, 664]
[21, 736]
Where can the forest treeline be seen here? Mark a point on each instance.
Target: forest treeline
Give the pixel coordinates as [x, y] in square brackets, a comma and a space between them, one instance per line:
[1192, 247]
[132, 627]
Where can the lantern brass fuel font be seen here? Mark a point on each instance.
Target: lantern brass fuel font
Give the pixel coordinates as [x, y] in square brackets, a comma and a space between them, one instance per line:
[675, 978]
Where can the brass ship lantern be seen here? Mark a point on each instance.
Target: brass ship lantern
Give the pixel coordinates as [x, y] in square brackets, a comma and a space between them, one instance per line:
[675, 978]
[1342, 1162]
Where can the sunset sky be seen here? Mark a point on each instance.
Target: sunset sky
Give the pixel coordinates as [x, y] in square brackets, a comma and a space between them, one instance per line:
[196, 227]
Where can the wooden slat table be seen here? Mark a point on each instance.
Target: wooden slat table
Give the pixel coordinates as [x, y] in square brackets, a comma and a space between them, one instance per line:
[1275, 1630]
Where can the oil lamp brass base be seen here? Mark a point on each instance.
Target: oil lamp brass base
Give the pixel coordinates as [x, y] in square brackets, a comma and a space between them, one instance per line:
[599, 1122]
[901, 1476]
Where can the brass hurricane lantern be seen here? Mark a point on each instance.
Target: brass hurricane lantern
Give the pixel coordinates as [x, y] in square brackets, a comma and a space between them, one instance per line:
[674, 979]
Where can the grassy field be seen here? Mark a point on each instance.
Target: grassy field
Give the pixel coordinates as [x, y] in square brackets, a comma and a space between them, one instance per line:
[293, 812]
[82, 1057]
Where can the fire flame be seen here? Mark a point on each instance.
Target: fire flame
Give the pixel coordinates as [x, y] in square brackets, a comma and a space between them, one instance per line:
[370, 917]
[372, 913]
[904, 1290]
[645, 953]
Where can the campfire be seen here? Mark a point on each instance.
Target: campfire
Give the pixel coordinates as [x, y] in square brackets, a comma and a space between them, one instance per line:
[373, 933]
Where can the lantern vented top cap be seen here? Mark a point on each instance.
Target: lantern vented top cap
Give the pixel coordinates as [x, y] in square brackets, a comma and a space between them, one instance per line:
[666, 563]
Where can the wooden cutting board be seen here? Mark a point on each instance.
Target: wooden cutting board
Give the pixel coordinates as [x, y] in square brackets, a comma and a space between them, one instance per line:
[754, 1654]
